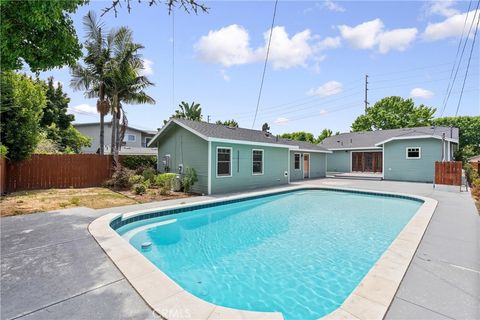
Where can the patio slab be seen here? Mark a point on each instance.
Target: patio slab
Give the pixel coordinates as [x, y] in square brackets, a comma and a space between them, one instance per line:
[51, 264]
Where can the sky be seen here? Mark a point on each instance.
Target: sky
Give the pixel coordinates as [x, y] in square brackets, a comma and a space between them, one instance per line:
[319, 55]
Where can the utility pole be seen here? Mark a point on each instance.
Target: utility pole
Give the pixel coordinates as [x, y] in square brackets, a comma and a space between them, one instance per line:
[366, 93]
[208, 118]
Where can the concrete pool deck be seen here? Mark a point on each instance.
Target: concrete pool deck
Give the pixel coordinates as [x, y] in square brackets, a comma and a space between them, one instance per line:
[52, 268]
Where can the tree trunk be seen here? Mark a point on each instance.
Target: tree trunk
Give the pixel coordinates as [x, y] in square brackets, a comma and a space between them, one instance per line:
[117, 139]
[114, 142]
[102, 133]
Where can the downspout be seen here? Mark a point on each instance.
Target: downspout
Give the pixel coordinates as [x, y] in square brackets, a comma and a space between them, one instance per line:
[209, 170]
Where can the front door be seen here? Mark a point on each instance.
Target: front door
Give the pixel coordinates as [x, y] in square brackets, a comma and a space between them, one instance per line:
[306, 166]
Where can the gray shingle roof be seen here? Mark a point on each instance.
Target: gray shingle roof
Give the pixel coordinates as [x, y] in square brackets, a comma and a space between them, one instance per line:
[211, 130]
[368, 139]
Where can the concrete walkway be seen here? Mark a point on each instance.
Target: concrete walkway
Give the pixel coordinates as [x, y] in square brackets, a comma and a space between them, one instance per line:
[52, 268]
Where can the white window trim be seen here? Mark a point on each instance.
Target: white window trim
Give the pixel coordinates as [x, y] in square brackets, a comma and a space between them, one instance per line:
[125, 139]
[412, 158]
[263, 163]
[216, 162]
[299, 161]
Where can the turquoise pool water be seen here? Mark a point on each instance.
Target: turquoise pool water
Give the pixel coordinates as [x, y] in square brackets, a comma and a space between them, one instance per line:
[300, 253]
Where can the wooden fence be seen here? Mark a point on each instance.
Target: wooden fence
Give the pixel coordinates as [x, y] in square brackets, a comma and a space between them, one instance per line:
[448, 172]
[3, 175]
[476, 166]
[58, 171]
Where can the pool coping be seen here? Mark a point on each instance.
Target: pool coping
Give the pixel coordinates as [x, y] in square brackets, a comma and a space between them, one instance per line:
[369, 300]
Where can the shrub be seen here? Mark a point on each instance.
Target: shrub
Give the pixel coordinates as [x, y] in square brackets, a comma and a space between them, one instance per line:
[189, 179]
[149, 174]
[139, 188]
[3, 150]
[165, 180]
[164, 191]
[139, 162]
[121, 177]
[136, 179]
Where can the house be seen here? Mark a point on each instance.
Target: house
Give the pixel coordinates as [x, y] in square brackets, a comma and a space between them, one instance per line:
[135, 141]
[230, 159]
[406, 154]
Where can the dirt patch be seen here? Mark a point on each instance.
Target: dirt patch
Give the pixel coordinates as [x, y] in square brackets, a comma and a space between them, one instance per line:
[95, 198]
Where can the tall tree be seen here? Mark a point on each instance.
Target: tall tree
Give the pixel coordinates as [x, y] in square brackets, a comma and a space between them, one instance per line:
[124, 84]
[229, 123]
[91, 77]
[21, 108]
[324, 134]
[265, 127]
[392, 113]
[187, 111]
[469, 127]
[41, 33]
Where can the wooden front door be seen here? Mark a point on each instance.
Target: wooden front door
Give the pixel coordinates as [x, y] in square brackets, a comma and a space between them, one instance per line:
[306, 165]
[367, 161]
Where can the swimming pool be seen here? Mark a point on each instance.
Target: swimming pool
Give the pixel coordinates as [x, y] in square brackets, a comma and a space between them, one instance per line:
[300, 253]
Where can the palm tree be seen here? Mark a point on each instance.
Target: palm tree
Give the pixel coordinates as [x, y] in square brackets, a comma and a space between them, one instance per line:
[187, 111]
[229, 123]
[91, 77]
[124, 84]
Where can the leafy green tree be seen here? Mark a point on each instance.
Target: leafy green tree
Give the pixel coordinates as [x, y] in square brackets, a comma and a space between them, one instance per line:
[91, 77]
[21, 109]
[392, 113]
[469, 127]
[299, 136]
[324, 134]
[229, 123]
[41, 33]
[187, 111]
[265, 127]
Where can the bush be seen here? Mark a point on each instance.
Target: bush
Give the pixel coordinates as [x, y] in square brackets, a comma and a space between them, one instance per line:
[120, 178]
[165, 180]
[189, 179]
[139, 162]
[139, 188]
[136, 179]
[149, 174]
[3, 150]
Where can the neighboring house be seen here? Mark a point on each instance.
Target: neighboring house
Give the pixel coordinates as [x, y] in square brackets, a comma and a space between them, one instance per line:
[135, 141]
[407, 154]
[234, 159]
[474, 159]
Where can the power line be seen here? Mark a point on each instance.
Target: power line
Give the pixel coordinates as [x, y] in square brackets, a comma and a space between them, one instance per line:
[173, 60]
[460, 60]
[468, 64]
[265, 65]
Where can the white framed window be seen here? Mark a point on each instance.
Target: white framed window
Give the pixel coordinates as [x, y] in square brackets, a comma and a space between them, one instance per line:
[224, 162]
[147, 140]
[130, 138]
[296, 161]
[257, 161]
[413, 152]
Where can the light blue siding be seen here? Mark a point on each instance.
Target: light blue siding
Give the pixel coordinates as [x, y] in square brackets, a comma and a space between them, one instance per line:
[275, 164]
[188, 149]
[317, 166]
[398, 167]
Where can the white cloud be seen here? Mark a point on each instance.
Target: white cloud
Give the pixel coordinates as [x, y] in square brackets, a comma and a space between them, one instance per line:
[281, 121]
[332, 6]
[56, 84]
[398, 39]
[83, 109]
[147, 68]
[441, 7]
[450, 27]
[286, 52]
[323, 112]
[328, 43]
[329, 88]
[230, 46]
[227, 46]
[421, 93]
[362, 36]
[371, 35]
[224, 74]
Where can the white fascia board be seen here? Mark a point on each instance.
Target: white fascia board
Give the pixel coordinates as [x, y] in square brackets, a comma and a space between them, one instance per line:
[313, 151]
[173, 120]
[356, 148]
[415, 137]
[251, 143]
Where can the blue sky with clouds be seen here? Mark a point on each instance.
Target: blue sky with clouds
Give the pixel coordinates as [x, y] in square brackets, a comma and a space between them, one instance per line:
[319, 56]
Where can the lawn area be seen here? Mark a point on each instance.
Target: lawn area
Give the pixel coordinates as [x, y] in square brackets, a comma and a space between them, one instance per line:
[54, 199]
